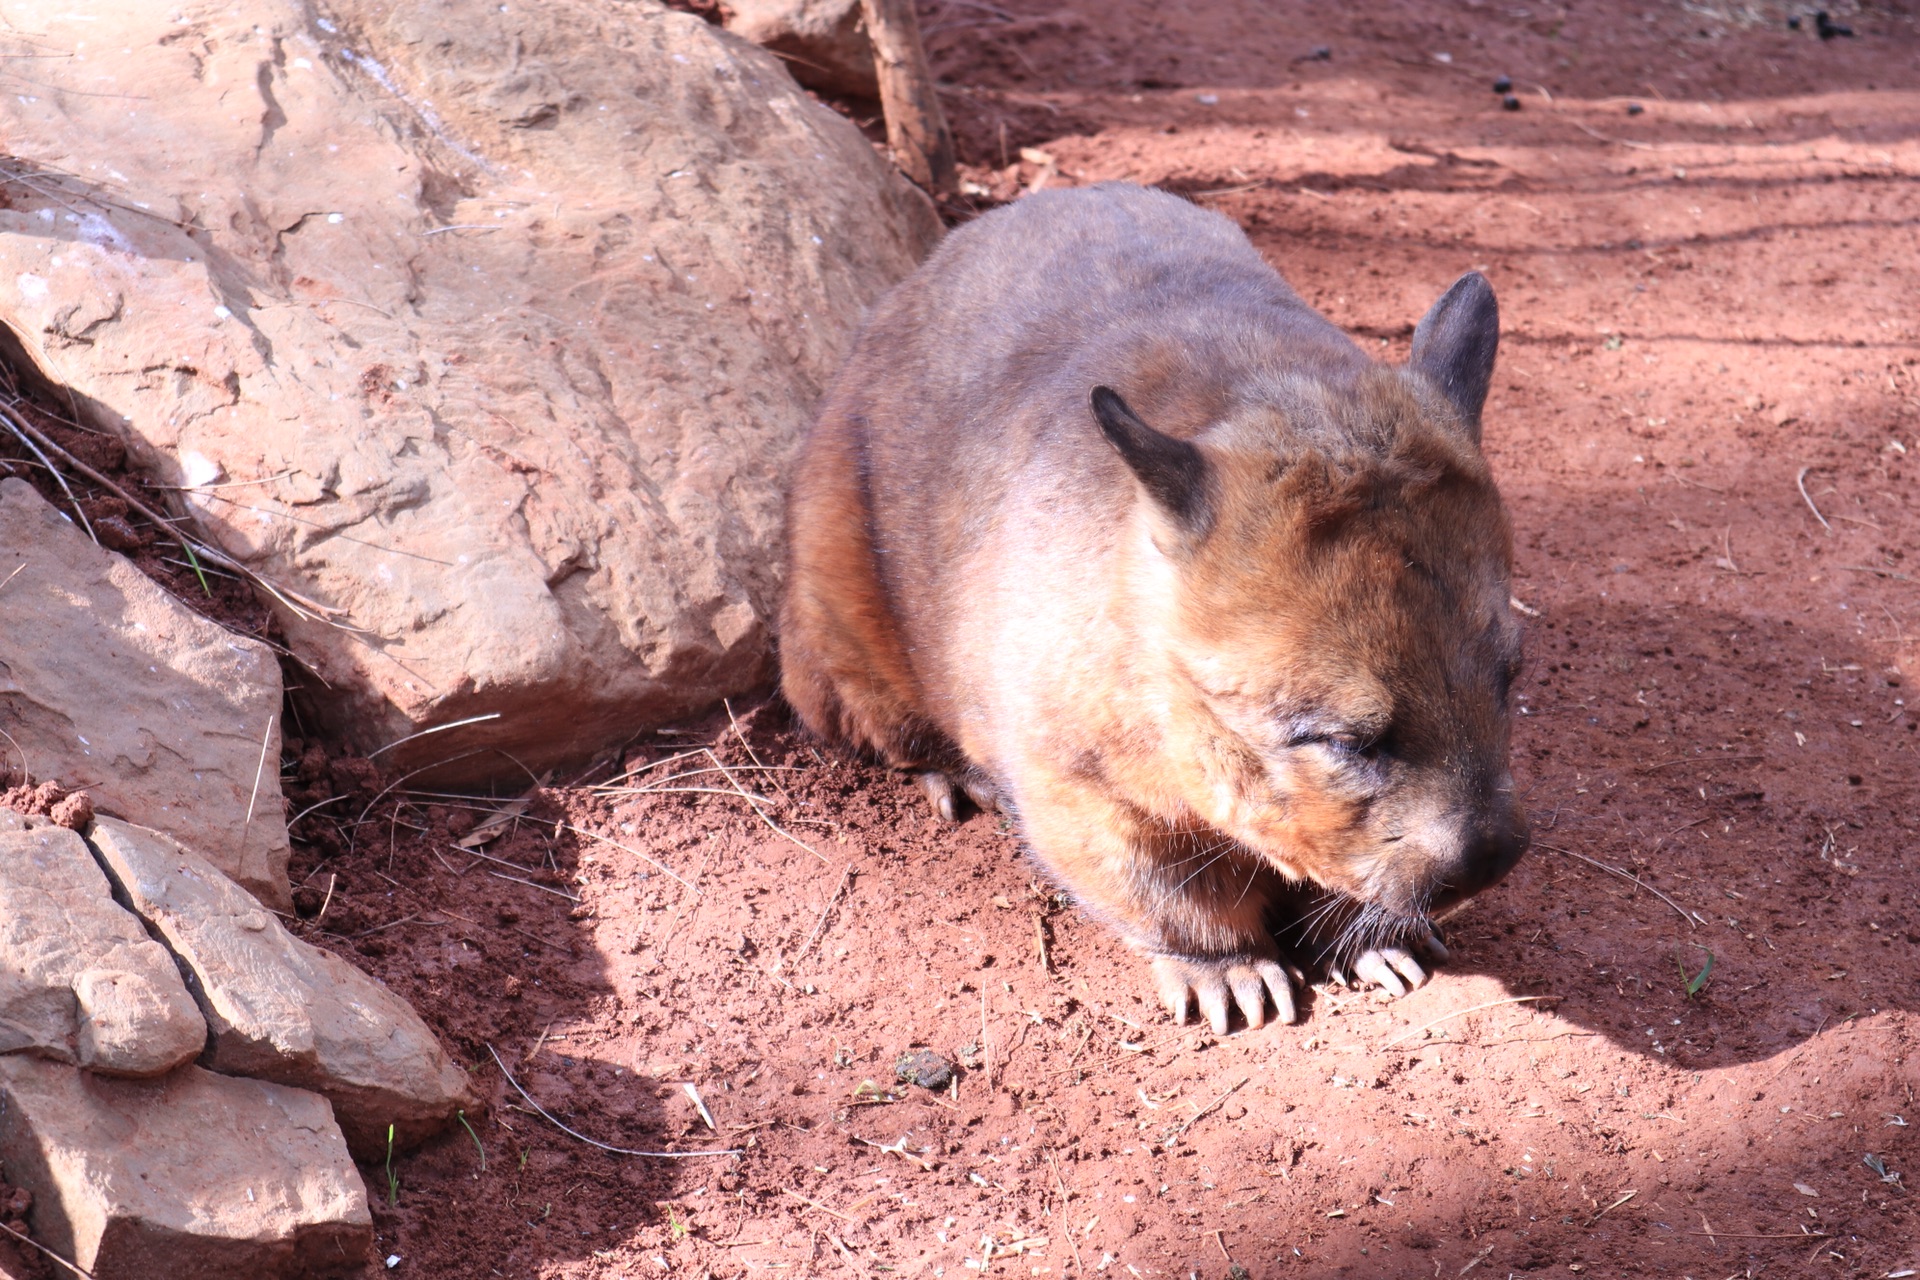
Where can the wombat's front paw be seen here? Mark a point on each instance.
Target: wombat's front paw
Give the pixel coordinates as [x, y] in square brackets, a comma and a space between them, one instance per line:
[1398, 969]
[1219, 984]
[944, 792]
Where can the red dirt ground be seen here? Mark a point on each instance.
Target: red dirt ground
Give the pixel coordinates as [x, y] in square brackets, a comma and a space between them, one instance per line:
[1709, 306]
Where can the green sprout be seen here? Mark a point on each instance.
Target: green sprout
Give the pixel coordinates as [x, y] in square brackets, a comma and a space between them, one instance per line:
[1698, 982]
[462, 1117]
[194, 560]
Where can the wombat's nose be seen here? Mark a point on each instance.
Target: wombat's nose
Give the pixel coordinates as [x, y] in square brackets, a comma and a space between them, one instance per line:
[1490, 850]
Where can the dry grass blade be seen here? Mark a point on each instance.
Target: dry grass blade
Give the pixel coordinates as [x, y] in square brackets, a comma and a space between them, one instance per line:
[391, 787]
[496, 822]
[439, 728]
[31, 1243]
[824, 913]
[758, 812]
[1610, 1208]
[558, 893]
[16, 425]
[1800, 482]
[619, 1151]
[654, 862]
[1175, 1133]
[1461, 1013]
[748, 746]
[898, 1149]
[1627, 876]
[260, 770]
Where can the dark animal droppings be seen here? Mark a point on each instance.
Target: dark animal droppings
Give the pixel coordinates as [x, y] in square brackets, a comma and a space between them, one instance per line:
[925, 1068]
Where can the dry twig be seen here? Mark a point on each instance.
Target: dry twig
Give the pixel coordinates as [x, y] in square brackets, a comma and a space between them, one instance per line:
[1800, 482]
[1594, 862]
[619, 1151]
[1461, 1013]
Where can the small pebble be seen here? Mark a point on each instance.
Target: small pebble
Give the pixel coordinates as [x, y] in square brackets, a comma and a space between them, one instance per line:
[1828, 28]
[925, 1068]
[1321, 53]
[1634, 109]
[1509, 103]
[1503, 85]
[1793, 23]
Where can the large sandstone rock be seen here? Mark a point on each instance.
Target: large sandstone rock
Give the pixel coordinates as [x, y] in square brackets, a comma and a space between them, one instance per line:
[823, 42]
[190, 1175]
[491, 326]
[80, 980]
[109, 683]
[285, 1011]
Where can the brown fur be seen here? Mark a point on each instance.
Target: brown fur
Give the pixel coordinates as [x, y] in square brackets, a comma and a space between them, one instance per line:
[981, 588]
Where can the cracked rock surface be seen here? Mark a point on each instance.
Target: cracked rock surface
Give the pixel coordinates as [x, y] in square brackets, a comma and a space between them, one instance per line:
[285, 1011]
[492, 328]
[80, 980]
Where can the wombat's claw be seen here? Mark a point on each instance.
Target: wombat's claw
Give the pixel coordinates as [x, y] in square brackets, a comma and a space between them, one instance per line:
[940, 793]
[1397, 970]
[1218, 985]
[944, 793]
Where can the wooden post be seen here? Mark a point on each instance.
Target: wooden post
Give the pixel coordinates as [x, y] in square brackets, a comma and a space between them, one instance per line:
[916, 128]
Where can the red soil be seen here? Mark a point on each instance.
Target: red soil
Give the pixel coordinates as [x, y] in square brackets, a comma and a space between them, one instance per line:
[1708, 307]
[1701, 300]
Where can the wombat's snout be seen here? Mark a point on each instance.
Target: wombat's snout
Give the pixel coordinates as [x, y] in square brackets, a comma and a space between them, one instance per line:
[1487, 850]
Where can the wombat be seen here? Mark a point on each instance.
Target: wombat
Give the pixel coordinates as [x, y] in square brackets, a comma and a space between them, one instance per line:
[1103, 525]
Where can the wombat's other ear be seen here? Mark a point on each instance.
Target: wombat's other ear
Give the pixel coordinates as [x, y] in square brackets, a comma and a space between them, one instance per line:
[1455, 344]
[1174, 473]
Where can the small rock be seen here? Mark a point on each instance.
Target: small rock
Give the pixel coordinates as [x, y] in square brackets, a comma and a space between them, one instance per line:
[1634, 109]
[925, 1068]
[822, 42]
[1503, 85]
[80, 980]
[192, 1174]
[285, 1011]
[116, 534]
[1828, 28]
[1509, 103]
[1793, 22]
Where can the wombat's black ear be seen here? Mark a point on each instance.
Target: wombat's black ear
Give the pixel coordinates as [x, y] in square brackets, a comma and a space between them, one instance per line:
[1174, 473]
[1455, 344]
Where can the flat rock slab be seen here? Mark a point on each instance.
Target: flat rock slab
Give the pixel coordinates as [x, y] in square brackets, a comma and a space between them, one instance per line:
[190, 1175]
[80, 980]
[109, 683]
[282, 1010]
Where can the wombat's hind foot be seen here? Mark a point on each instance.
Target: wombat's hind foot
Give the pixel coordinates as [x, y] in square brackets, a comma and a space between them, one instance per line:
[943, 792]
[1396, 969]
[1219, 984]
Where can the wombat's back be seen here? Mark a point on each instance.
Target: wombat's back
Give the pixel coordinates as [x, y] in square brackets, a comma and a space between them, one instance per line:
[957, 436]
